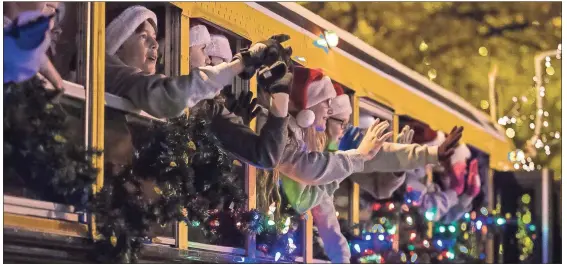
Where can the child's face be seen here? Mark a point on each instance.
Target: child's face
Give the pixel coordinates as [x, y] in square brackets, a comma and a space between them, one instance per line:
[322, 112]
[140, 50]
[336, 126]
[198, 56]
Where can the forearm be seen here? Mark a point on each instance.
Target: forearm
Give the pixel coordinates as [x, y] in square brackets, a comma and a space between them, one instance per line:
[262, 150]
[319, 168]
[395, 157]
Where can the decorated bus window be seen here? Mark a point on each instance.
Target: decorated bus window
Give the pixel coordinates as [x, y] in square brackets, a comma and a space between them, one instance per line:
[143, 37]
[58, 127]
[219, 176]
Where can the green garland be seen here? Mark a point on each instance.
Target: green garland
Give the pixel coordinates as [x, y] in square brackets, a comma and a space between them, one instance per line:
[37, 152]
[193, 177]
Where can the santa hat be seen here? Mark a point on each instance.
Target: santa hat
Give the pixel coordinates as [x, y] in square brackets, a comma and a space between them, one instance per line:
[199, 35]
[365, 121]
[219, 47]
[462, 153]
[310, 87]
[123, 26]
[437, 140]
[340, 104]
[425, 135]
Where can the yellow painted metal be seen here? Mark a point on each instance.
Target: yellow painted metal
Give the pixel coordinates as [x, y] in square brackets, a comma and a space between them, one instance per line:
[396, 126]
[45, 225]
[182, 231]
[354, 204]
[308, 254]
[97, 96]
[354, 191]
[429, 180]
[97, 88]
[248, 22]
[491, 203]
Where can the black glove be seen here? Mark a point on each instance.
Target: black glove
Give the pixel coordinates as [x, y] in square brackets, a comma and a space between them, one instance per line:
[245, 106]
[447, 148]
[262, 53]
[282, 85]
[269, 75]
[30, 35]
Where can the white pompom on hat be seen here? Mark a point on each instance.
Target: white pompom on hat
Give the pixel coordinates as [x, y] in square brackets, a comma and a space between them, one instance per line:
[462, 153]
[199, 35]
[219, 47]
[340, 104]
[310, 87]
[123, 26]
[365, 121]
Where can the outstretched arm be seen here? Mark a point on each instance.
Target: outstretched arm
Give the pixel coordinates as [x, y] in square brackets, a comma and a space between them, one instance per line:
[263, 150]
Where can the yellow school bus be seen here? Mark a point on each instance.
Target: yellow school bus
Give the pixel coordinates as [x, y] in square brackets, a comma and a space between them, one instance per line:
[36, 230]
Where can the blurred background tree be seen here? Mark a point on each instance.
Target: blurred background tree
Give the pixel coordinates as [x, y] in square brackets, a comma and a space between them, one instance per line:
[457, 44]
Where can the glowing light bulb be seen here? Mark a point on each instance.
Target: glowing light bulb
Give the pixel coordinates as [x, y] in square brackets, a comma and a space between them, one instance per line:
[368, 237]
[357, 248]
[500, 221]
[452, 229]
[332, 38]
[413, 236]
[381, 237]
[413, 257]
[442, 229]
[478, 224]
[439, 242]
[429, 215]
[278, 256]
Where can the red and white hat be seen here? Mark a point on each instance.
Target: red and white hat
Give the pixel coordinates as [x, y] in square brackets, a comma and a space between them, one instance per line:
[425, 135]
[310, 87]
[341, 104]
[219, 47]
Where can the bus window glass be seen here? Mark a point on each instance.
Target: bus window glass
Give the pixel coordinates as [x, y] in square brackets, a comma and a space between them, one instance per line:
[67, 40]
[125, 130]
[211, 44]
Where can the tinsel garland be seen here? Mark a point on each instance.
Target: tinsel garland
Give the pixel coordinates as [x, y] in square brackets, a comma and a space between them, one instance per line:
[193, 178]
[37, 153]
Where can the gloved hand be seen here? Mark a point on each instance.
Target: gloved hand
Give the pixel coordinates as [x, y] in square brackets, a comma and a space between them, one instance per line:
[473, 180]
[244, 106]
[351, 139]
[28, 30]
[447, 148]
[374, 139]
[405, 137]
[280, 85]
[263, 53]
[25, 43]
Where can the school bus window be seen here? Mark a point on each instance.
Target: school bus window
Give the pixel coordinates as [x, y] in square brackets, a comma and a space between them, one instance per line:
[167, 32]
[67, 40]
[212, 45]
[125, 132]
